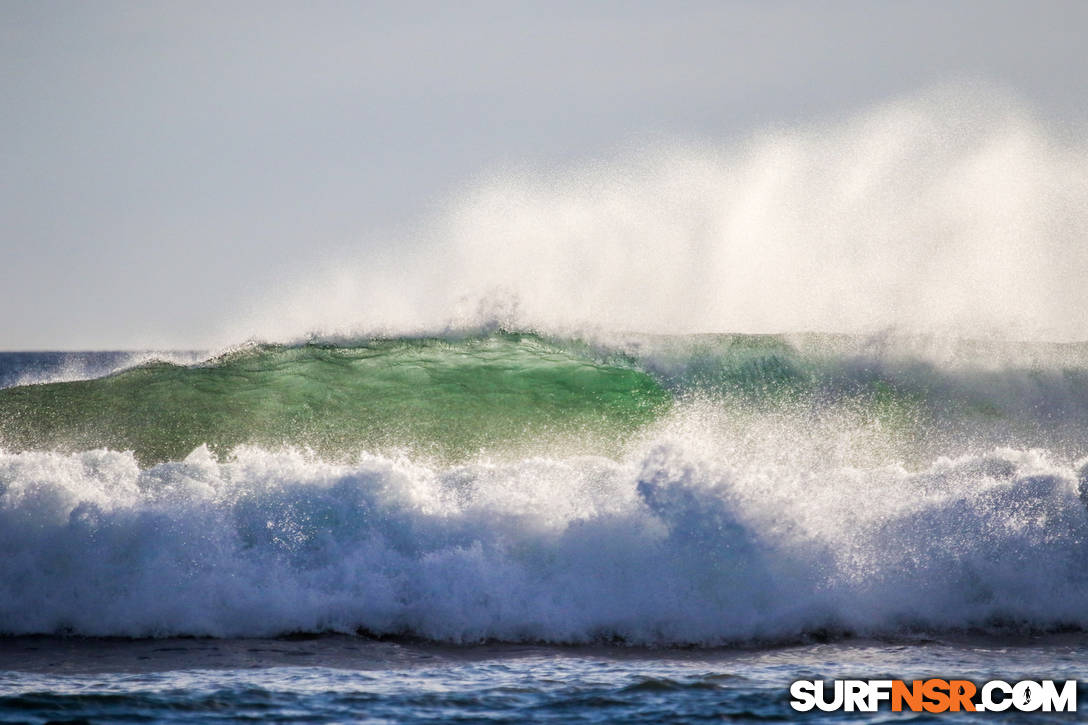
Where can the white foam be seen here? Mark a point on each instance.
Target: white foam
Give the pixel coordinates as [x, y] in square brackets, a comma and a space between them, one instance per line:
[709, 531]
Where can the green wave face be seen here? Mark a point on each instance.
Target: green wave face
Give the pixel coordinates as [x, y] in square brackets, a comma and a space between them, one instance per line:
[509, 395]
[452, 400]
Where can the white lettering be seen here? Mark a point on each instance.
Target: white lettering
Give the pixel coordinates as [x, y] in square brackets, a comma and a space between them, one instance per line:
[804, 695]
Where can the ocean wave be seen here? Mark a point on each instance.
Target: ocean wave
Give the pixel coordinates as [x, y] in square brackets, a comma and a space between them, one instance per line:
[36, 368]
[444, 397]
[677, 543]
[511, 394]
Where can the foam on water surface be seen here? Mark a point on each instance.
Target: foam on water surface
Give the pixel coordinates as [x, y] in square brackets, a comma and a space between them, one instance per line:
[676, 544]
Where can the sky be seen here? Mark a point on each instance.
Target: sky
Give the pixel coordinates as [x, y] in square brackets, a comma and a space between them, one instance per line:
[167, 165]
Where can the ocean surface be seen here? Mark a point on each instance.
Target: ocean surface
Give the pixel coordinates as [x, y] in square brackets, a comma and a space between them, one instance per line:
[492, 525]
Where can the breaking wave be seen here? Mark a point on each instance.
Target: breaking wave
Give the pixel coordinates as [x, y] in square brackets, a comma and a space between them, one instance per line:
[656, 490]
[671, 546]
[587, 463]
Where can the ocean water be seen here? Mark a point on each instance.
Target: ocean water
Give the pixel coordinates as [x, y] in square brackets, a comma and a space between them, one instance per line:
[335, 678]
[510, 526]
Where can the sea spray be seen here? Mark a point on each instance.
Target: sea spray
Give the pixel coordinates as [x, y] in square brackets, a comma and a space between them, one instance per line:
[678, 544]
[956, 210]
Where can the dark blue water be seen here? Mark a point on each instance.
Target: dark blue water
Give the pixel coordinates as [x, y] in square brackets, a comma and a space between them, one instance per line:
[348, 679]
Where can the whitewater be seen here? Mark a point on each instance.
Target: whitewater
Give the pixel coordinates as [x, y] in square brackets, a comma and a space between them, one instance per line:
[700, 490]
[811, 404]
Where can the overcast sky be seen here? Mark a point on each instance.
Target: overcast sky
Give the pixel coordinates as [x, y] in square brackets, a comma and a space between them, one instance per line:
[165, 162]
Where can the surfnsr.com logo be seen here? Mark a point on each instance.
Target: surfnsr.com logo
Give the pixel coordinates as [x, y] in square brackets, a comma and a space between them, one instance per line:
[934, 695]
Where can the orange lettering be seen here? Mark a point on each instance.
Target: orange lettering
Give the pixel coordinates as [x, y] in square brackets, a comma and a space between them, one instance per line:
[961, 692]
[936, 691]
[912, 695]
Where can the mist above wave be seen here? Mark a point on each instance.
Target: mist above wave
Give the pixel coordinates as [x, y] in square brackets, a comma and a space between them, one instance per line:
[956, 210]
